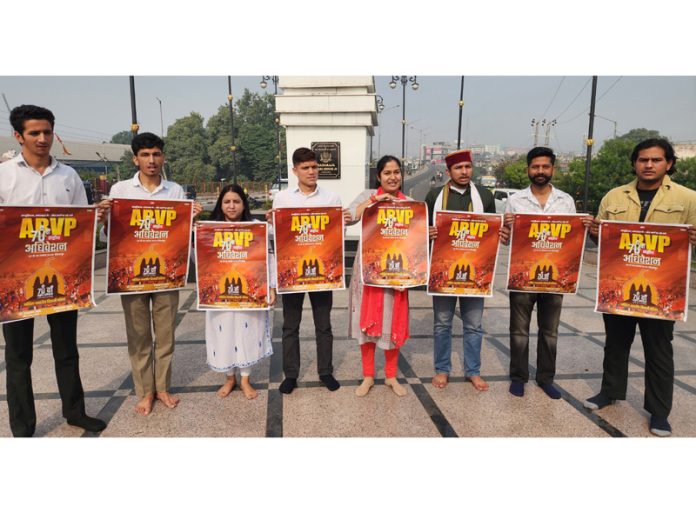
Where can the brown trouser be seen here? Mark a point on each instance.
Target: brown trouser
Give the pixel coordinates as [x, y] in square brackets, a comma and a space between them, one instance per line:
[148, 376]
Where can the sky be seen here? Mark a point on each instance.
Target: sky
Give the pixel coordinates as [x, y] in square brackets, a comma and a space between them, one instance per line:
[497, 109]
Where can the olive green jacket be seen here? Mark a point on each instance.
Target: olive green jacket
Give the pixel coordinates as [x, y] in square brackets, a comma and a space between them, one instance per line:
[672, 204]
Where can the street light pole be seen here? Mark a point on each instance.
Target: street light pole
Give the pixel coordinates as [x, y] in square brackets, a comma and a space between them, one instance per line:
[404, 79]
[461, 109]
[161, 118]
[233, 147]
[589, 143]
[134, 115]
[276, 120]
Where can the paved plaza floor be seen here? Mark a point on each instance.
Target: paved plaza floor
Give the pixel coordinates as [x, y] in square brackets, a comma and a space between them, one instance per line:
[313, 411]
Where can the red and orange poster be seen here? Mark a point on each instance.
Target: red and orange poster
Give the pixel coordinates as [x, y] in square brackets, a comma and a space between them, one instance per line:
[394, 244]
[231, 269]
[309, 249]
[546, 253]
[464, 254]
[149, 243]
[643, 270]
[47, 256]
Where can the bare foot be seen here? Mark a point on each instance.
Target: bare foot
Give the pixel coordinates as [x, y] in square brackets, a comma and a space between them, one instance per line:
[249, 391]
[144, 406]
[478, 382]
[229, 385]
[395, 386]
[365, 386]
[169, 400]
[440, 380]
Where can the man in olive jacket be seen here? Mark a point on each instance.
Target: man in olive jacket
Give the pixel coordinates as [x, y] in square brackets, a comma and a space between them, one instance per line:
[652, 198]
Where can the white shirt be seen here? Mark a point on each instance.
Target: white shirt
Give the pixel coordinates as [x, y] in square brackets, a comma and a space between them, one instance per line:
[20, 184]
[524, 202]
[133, 189]
[290, 198]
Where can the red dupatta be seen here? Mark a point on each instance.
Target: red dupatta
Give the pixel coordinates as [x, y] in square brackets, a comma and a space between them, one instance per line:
[372, 307]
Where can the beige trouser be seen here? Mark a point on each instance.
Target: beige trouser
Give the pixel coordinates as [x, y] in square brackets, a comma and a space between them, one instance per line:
[148, 376]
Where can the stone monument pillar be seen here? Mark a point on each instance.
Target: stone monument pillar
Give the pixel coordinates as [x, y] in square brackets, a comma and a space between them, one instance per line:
[334, 116]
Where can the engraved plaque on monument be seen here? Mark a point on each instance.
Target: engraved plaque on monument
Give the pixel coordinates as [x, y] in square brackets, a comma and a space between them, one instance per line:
[328, 159]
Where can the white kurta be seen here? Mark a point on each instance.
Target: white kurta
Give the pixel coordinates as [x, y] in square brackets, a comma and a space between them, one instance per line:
[237, 339]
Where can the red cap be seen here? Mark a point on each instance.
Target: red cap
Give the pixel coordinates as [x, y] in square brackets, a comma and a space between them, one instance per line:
[458, 156]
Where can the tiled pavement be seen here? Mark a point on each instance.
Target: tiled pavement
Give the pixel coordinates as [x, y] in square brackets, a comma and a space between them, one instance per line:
[312, 411]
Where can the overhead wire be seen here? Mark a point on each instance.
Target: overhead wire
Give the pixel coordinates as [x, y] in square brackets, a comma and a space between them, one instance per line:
[573, 100]
[554, 97]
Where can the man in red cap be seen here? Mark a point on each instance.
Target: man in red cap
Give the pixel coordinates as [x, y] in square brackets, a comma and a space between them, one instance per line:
[459, 194]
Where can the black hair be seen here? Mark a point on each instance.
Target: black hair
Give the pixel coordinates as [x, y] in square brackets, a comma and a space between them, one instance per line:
[541, 151]
[383, 162]
[24, 112]
[146, 140]
[303, 155]
[219, 215]
[653, 143]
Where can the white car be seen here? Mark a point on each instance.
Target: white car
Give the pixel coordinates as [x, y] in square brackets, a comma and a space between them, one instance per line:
[501, 196]
[277, 187]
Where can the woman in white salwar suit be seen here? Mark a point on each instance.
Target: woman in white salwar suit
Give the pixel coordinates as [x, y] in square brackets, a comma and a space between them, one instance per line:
[238, 340]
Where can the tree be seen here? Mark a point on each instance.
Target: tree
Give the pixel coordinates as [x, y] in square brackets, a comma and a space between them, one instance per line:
[186, 148]
[515, 174]
[125, 167]
[255, 138]
[123, 137]
[636, 135]
[685, 173]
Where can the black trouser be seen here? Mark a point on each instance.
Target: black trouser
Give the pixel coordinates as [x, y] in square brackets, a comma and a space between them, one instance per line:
[657, 337]
[19, 352]
[292, 315]
[548, 318]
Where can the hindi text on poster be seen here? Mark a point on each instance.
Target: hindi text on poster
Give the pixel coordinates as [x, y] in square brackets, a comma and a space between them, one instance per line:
[47, 260]
[149, 244]
[643, 270]
[464, 254]
[394, 244]
[546, 253]
[309, 249]
[231, 266]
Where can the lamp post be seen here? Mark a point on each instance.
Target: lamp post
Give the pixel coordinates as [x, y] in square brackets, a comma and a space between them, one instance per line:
[233, 147]
[589, 142]
[264, 84]
[379, 136]
[134, 114]
[461, 109]
[610, 120]
[161, 118]
[404, 79]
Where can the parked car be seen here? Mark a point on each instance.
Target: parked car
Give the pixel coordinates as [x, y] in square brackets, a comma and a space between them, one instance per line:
[277, 187]
[501, 196]
[190, 191]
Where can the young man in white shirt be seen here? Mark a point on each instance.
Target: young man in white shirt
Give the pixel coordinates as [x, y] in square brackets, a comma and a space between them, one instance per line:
[539, 198]
[306, 194]
[36, 178]
[151, 367]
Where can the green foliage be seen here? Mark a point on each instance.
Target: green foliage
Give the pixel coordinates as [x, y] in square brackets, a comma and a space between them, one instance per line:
[123, 137]
[515, 174]
[685, 173]
[255, 138]
[636, 135]
[125, 168]
[186, 148]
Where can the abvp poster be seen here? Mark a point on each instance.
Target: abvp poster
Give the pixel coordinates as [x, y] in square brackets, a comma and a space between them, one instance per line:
[47, 255]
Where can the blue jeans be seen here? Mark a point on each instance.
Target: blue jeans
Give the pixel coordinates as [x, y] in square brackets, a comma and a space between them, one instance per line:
[471, 309]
